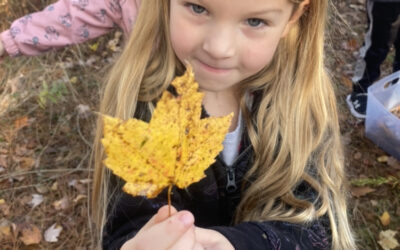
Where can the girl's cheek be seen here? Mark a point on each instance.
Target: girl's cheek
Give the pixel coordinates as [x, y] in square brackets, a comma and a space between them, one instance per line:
[257, 58]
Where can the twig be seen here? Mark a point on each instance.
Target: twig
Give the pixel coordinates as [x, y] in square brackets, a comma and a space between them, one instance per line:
[169, 200]
[37, 162]
[80, 132]
[41, 171]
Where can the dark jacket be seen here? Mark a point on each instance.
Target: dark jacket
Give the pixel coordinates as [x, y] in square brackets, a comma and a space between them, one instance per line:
[386, 1]
[213, 201]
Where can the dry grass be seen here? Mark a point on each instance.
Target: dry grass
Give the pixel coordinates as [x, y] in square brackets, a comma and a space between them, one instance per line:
[49, 155]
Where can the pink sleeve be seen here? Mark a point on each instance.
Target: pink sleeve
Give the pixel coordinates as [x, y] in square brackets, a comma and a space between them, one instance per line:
[66, 22]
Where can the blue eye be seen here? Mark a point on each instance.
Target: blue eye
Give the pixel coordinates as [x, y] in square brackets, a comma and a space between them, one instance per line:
[197, 8]
[255, 22]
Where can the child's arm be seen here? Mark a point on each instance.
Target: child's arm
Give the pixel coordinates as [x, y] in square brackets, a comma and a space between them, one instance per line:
[67, 22]
[274, 235]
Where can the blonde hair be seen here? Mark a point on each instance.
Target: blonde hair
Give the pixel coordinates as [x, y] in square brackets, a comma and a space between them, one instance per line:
[294, 133]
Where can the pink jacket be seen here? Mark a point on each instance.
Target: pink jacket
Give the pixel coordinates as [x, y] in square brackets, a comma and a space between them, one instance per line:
[68, 22]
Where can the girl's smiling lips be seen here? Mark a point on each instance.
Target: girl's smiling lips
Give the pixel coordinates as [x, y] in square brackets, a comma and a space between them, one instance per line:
[214, 69]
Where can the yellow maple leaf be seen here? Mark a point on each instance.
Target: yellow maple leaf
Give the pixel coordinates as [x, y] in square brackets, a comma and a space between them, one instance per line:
[174, 148]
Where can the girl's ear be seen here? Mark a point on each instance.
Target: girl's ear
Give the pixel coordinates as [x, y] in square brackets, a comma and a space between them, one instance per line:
[296, 16]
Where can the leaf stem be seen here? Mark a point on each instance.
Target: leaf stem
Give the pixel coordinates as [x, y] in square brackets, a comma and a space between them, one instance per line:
[169, 200]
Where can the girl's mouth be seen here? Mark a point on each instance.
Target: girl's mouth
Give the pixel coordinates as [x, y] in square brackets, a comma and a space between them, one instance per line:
[214, 69]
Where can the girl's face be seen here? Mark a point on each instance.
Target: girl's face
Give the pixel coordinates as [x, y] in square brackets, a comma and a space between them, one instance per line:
[227, 41]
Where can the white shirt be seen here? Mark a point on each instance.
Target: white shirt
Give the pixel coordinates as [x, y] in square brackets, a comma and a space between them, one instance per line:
[232, 142]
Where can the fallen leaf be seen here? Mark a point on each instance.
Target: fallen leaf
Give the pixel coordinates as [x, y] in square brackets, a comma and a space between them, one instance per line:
[5, 229]
[61, 204]
[54, 187]
[52, 233]
[78, 186]
[73, 80]
[3, 161]
[85, 181]
[94, 46]
[357, 155]
[22, 150]
[21, 123]
[37, 199]
[382, 159]
[4, 207]
[79, 197]
[30, 234]
[83, 110]
[374, 203]
[361, 191]
[387, 240]
[393, 162]
[174, 148]
[385, 219]
[27, 163]
[347, 82]
[42, 189]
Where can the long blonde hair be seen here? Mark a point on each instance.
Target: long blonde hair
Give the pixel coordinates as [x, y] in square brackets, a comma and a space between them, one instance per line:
[294, 132]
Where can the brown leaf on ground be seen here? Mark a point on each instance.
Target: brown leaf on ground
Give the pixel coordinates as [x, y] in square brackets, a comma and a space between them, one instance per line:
[352, 44]
[30, 234]
[4, 207]
[393, 163]
[78, 186]
[22, 150]
[385, 219]
[26, 163]
[79, 197]
[61, 204]
[21, 123]
[382, 159]
[361, 191]
[5, 229]
[3, 161]
[387, 240]
[54, 187]
[347, 82]
[357, 156]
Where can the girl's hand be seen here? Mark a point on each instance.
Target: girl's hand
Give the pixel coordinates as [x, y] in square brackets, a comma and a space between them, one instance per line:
[212, 240]
[162, 232]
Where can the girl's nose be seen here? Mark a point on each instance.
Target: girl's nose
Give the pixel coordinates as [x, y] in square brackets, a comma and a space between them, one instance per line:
[219, 42]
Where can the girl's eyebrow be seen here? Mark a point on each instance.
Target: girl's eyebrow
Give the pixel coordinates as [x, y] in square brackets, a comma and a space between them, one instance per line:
[260, 12]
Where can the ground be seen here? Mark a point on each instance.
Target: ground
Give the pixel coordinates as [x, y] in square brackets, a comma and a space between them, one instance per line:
[47, 123]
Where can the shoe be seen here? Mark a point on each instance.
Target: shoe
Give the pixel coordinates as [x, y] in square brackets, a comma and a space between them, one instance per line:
[357, 104]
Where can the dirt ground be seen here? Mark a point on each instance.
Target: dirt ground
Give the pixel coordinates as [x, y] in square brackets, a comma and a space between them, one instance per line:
[47, 125]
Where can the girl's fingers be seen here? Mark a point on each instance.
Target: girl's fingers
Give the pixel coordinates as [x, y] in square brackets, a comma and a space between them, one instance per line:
[211, 239]
[187, 241]
[161, 215]
[164, 234]
[198, 246]
[204, 237]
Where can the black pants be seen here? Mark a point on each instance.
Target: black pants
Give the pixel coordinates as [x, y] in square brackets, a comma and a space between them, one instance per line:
[382, 32]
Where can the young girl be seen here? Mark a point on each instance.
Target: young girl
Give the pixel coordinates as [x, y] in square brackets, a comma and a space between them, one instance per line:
[66, 22]
[279, 182]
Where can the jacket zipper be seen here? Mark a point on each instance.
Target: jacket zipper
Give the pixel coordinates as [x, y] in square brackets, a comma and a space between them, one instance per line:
[231, 186]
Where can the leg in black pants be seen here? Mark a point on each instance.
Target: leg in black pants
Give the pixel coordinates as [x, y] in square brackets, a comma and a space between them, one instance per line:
[381, 16]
